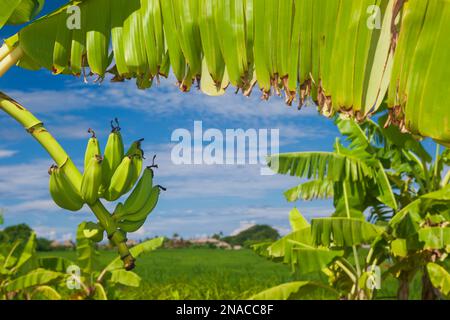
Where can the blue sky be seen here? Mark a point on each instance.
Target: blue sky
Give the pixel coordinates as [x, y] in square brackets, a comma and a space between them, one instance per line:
[200, 200]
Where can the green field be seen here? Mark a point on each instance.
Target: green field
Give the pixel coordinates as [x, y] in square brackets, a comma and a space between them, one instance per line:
[210, 274]
[199, 273]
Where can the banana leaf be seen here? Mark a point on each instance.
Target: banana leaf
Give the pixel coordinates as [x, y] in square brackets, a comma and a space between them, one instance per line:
[86, 252]
[326, 50]
[321, 166]
[297, 290]
[343, 231]
[297, 221]
[419, 91]
[16, 12]
[37, 277]
[440, 278]
[435, 237]
[310, 190]
[45, 293]
[126, 278]
[136, 251]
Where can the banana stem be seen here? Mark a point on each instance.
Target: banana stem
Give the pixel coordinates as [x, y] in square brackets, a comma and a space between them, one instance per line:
[36, 128]
[4, 51]
[10, 60]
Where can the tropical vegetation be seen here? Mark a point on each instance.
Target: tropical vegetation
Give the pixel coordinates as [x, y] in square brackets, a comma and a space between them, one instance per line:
[353, 58]
[388, 193]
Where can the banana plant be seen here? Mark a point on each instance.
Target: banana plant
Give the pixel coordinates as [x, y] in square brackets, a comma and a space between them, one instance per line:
[331, 256]
[21, 276]
[417, 239]
[384, 173]
[87, 279]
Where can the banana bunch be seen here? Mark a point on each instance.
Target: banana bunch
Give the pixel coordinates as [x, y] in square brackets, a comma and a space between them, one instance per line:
[132, 214]
[109, 177]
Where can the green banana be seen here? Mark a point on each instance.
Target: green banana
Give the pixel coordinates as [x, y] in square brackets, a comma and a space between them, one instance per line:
[93, 231]
[130, 226]
[121, 179]
[62, 191]
[118, 210]
[92, 149]
[92, 180]
[137, 153]
[135, 149]
[148, 207]
[141, 192]
[113, 156]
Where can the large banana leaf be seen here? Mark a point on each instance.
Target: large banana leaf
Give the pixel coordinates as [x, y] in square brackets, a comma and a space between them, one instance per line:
[419, 91]
[312, 259]
[331, 50]
[288, 44]
[297, 290]
[19, 11]
[343, 231]
[321, 165]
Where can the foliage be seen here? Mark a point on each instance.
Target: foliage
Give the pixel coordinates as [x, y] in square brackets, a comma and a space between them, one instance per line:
[199, 41]
[20, 233]
[406, 194]
[93, 282]
[19, 11]
[21, 276]
[255, 233]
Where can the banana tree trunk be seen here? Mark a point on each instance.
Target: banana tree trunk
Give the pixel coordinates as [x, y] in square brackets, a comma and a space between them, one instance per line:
[428, 291]
[36, 128]
[403, 287]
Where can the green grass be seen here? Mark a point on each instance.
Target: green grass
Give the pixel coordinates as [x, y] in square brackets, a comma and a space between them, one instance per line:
[199, 274]
[212, 274]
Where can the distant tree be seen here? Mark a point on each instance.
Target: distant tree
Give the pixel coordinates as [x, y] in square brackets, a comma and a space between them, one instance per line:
[217, 236]
[17, 232]
[43, 244]
[253, 234]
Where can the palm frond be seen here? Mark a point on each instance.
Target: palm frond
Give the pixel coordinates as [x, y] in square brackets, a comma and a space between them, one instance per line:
[311, 190]
[321, 166]
[343, 231]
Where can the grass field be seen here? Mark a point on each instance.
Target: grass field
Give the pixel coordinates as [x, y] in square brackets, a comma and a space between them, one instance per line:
[198, 274]
[210, 274]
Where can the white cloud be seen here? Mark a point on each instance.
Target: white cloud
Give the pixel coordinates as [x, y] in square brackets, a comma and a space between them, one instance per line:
[54, 233]
[163, 99]
[7, 153]
[243, 225]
